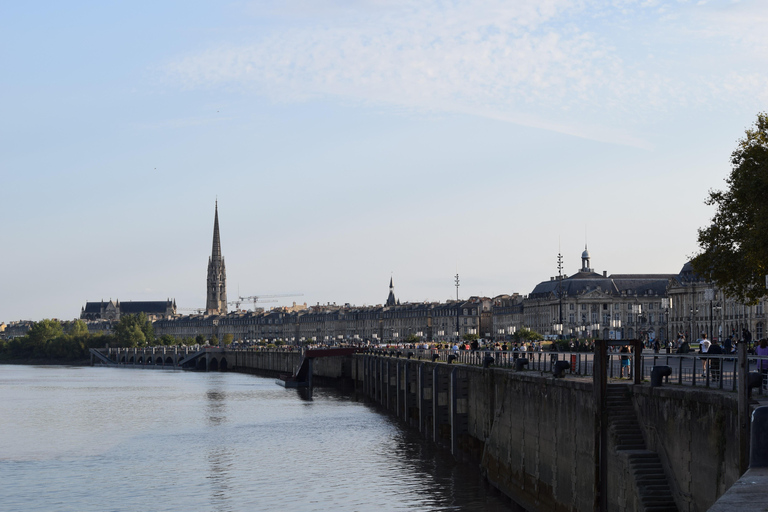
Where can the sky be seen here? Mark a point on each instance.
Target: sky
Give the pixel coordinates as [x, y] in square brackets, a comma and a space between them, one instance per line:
[350, 142]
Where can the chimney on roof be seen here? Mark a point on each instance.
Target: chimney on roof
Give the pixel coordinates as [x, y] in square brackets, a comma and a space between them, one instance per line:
[605, 273]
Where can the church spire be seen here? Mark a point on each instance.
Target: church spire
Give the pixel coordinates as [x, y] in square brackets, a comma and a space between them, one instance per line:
[216, 302]
[216, 252]
[391, 301]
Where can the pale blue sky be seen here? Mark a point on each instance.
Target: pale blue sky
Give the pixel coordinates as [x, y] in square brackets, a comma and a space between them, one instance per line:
[351, 141]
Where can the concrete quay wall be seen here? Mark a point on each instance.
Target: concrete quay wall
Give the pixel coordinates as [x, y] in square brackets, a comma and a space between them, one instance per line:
[694, 433]
[533, 436]
[286, 362]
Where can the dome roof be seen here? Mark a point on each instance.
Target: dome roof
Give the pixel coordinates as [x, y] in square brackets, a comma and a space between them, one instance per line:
[585, 254]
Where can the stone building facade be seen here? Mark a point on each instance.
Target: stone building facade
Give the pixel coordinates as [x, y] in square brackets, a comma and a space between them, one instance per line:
[593, 305]
[699, 307]
[114, 309]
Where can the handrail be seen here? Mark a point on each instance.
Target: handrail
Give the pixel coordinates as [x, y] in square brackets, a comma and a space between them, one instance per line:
[715, 371]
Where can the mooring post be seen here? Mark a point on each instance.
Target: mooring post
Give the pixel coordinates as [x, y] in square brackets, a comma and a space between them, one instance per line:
[421, 400]
[452, 411]
[743, 408]
[599, 377]
[397, 388]
[435, 394]
[406, 390]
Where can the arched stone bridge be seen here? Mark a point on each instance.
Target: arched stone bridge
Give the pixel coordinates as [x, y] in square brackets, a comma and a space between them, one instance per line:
[188, 358]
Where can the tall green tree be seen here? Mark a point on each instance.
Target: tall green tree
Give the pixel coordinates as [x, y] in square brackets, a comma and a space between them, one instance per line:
[146, 328]
[524, 334]
[77, 328]
[734, 247]
[45, 330]
[134, 331]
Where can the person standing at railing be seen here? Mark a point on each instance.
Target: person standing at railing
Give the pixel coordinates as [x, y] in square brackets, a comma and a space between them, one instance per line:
[624, 357]
[728, 345]
[704, 345]
[762, 350]
[714, 363]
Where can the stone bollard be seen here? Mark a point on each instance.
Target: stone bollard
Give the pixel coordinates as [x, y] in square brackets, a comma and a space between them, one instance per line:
[520, 363]
[754, 380]
[560, 367]
[658, 373]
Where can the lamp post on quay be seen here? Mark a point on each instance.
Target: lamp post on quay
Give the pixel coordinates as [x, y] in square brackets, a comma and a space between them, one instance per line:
[694, 312]
[637, 310]
[666, 303]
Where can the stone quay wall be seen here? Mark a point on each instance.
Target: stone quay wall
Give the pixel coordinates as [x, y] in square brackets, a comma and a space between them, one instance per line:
[534, 436]
[279, 362]
[695, 434]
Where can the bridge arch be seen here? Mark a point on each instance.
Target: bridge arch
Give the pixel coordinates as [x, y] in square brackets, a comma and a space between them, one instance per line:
[169, 360]
[223, 364]
[201, 364]
[159, 360]
[213, 365]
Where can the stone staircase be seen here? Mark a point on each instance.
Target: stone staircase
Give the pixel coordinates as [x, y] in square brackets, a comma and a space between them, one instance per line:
[650, 481]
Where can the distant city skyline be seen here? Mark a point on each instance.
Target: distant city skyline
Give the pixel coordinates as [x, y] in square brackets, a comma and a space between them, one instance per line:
[352, 142]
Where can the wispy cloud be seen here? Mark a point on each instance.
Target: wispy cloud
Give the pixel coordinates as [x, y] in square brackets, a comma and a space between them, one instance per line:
[579, 67]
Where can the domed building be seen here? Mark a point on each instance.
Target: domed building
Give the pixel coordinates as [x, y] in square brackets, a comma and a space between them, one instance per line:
[589, 304]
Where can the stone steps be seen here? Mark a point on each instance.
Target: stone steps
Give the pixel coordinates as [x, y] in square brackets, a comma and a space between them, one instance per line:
[653, 489]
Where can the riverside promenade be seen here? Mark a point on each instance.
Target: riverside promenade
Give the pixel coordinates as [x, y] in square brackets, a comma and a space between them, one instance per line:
[677, 446]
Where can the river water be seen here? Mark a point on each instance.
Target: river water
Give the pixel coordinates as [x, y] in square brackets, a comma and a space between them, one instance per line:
[104, 439]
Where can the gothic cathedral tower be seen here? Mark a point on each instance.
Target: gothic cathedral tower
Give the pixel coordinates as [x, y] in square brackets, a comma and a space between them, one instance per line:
[216, 304]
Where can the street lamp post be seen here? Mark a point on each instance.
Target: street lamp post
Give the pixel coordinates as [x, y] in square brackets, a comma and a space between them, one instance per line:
[458, 329]
[560, 290]
[666, 303]
[709, 294]
[694, 312]
[637, 309]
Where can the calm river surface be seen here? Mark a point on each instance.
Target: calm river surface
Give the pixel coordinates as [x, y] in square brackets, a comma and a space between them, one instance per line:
[105, 439]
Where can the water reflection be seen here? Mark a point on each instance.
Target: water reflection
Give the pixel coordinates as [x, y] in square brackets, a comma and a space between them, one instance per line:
[216, 403]
[220, 462]
[227, 443]
[305, 394]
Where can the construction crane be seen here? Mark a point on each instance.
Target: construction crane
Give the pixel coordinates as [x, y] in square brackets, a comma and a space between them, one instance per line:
[237, 302]
[260, 298]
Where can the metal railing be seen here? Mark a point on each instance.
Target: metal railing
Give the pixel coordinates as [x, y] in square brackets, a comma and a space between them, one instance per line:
[708, 371]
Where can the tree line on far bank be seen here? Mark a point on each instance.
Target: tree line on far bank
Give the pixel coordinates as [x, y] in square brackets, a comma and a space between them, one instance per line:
[70, 341]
